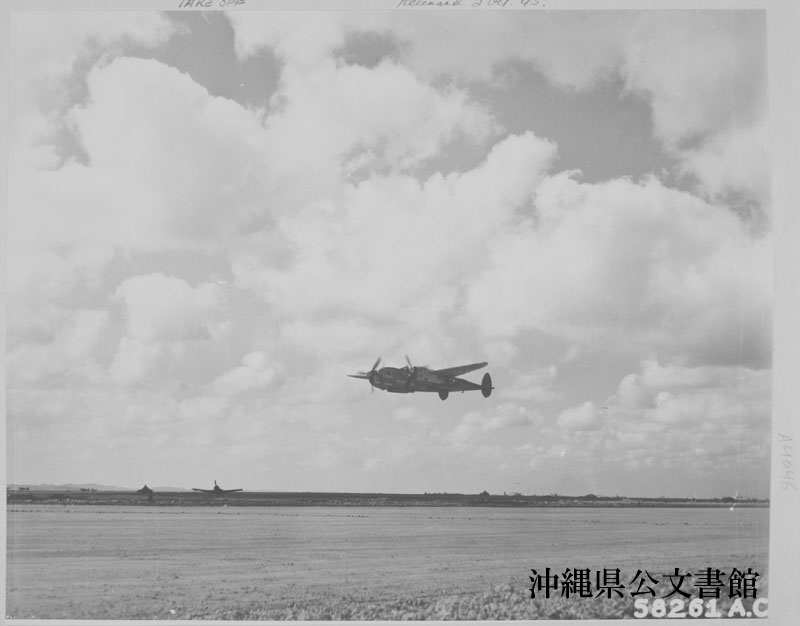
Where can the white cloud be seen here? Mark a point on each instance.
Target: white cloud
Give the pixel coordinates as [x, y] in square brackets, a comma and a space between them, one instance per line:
[203, 410]
[631, 266]
[47, 45]
[690, 420]
[368, 254]
[734, 160]
[631, 394]
[183, 171]
[704, 75]
[165, 308]
[255, 373]
[581, 418]
[712, 394]
[475, 427]
[168, 326]
[73, 349]
[533, 385]
[575, 49]
[701, 71]
[155, 181]
[655, 376]
[133, 360]
[48, 50]
[408, 413]
[512, 415]
[376, 119]
[302, 39]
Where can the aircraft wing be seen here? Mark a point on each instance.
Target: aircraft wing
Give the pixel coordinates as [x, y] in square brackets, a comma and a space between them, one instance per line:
[458, 384]
[231, 490]
[452, 372]
[203, 490]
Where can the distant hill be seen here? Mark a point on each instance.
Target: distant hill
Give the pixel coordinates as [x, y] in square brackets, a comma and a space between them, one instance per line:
[80, 486]
[70, 487]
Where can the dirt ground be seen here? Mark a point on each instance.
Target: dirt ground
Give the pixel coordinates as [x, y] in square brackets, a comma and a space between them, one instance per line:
[90, 562]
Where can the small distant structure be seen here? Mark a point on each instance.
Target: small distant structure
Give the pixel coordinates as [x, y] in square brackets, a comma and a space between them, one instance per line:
[146, 491]
[484, 493]
[87, 489]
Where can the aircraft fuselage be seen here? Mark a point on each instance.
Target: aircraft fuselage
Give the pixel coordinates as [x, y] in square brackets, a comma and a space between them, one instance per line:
[405, 380]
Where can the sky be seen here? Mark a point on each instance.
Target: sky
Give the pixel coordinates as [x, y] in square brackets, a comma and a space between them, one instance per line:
[214, 217]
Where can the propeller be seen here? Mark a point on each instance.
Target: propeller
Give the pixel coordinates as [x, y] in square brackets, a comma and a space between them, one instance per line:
[368, 375]
[412, 368]
[413, 371]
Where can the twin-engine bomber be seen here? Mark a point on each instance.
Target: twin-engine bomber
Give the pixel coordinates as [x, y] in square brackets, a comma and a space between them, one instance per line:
[410, 379]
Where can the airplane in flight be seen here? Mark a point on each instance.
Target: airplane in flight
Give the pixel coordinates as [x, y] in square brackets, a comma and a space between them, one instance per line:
[217, 490]
[410, 379]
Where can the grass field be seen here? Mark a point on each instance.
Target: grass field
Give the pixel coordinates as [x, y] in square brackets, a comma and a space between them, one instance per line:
[84, 562]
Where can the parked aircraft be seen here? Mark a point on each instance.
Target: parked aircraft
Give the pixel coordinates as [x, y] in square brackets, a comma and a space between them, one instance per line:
[216, 491]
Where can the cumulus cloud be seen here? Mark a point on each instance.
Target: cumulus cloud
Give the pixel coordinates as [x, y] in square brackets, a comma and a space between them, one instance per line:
[47, 51]
[584, 417]
[732, 161]
[633, 265]
[701, 73]
[533, 385]
[137, 194]
[161, 314]
[254, 373]
[344, 265]
[383, 119]
[303, 39]
[671, 417]
[348, 224]
[714, 73]
[159, 307]
[476, 426]
[714, 394]
[72, 349]
[717, 97]
[133, 360]
[195, 193]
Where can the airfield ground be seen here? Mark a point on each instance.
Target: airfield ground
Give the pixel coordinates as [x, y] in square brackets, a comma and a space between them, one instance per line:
[266, 498]
[89, 561]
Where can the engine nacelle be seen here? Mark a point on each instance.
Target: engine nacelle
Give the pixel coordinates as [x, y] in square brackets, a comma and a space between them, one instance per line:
[443, 394]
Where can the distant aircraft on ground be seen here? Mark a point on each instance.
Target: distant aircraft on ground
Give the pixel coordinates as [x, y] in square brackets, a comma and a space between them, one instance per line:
[216, 491]
[410, 379]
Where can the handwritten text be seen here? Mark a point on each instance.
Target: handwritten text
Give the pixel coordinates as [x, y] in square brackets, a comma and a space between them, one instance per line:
[787, 456]
[471, 4]
[209, 4]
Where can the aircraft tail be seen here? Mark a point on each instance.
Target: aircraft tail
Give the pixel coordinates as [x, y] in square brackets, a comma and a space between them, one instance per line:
[486, 385]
